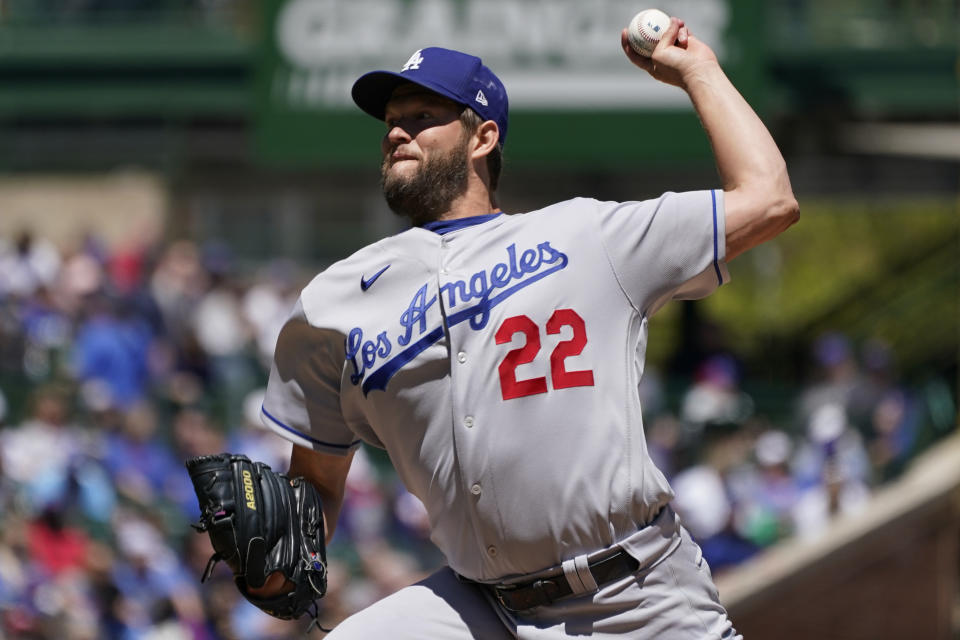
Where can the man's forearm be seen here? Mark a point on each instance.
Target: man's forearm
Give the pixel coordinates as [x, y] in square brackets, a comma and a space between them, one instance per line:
[328, 474]
[745, 152]
[758, 200]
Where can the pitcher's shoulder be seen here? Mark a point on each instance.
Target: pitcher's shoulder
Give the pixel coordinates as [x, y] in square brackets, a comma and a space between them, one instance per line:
[569, 214]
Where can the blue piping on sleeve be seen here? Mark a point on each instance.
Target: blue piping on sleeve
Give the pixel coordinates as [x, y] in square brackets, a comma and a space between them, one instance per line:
[716, 265]
[304, 435]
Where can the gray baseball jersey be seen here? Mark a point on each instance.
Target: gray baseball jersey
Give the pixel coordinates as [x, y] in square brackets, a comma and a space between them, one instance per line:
[496, 359]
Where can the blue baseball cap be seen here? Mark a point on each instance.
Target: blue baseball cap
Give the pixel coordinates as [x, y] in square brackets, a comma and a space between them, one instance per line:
[458, 76]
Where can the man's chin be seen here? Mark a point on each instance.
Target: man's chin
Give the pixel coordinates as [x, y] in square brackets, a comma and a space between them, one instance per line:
[410, 206]
[402, 168]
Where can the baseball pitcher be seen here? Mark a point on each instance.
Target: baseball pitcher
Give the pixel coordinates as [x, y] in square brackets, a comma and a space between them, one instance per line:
[496, 358]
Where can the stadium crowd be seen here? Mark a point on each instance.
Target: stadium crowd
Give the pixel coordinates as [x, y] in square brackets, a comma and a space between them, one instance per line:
[117, 364]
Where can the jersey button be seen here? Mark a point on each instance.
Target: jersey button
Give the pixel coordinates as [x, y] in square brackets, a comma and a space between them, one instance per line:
[461, 357]
[468, 422]
[444, 271]
[475, 489]
[492, 550]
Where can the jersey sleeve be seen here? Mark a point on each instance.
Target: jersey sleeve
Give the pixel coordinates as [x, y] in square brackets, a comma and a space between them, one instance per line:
[671, 247]
[302, 401]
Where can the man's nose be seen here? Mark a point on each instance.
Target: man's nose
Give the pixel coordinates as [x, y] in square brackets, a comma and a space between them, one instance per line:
[398, 135]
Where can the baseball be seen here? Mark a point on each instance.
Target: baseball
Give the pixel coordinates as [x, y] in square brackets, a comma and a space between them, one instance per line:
[645, 29]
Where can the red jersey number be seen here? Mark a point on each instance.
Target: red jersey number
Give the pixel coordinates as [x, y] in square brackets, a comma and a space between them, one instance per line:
[563, 379]
[510, 387]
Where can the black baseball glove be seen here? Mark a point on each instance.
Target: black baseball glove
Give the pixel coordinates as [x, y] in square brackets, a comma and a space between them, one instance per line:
[260, 522]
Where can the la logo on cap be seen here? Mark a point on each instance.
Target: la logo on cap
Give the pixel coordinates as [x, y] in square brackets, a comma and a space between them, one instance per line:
[413, 62]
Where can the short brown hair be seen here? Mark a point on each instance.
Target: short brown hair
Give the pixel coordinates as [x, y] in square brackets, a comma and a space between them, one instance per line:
[471, 121]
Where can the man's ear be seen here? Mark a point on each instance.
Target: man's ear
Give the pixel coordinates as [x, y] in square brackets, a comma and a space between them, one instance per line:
[485, 139]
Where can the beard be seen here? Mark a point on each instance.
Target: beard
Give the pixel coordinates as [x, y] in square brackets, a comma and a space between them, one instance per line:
[428, 193]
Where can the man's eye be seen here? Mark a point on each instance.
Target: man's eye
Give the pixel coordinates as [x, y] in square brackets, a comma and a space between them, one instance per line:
[424, 115]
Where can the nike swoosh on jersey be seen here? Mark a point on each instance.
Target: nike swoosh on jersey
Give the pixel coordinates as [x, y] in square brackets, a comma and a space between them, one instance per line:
[366, 283]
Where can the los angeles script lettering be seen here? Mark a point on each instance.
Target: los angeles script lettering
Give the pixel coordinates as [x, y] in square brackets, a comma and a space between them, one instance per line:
[484, 288]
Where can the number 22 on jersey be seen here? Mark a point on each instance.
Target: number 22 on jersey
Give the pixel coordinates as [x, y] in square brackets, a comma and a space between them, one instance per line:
[512, 388]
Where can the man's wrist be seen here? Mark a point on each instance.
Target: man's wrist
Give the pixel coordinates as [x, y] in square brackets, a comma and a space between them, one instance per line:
[705, 72]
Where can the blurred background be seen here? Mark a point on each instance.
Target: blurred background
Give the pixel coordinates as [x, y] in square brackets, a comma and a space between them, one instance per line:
[172, 172]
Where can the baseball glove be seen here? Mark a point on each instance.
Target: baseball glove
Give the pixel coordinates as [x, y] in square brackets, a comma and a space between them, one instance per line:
[260, 522]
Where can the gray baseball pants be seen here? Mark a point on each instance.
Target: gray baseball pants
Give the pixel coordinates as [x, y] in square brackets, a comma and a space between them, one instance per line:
[672, 599]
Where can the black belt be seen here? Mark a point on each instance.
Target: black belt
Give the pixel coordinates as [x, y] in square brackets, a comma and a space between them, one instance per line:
[527, 595]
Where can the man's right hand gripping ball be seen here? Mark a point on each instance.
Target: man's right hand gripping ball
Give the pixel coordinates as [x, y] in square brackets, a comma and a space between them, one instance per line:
[260, 522]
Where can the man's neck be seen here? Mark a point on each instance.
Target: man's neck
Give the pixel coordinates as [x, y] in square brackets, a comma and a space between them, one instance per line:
[474, 202]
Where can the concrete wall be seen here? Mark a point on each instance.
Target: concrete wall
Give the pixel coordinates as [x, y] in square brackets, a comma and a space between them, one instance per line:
[892, 572]
[117, 207]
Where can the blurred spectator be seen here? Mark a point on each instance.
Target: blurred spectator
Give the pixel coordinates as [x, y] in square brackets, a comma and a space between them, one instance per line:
[37, 455]
[223, 334]
[111, 348]
[703, 496]
[876, 379]
[46, 332]
[177, 284]
[267, 305]
[26, 265]
[195, 435]
[765, 495]
[833, 470]
[838, 375]
[128, 264]
[81, 277]
[715, 395]
[218, 323]
[151, 577]
[140, 462]
[885, 413]
[893, 433]
[12, 341]
[55, 546]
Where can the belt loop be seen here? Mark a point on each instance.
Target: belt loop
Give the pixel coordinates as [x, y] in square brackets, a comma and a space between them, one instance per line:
[583, 571]
[574, 577]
